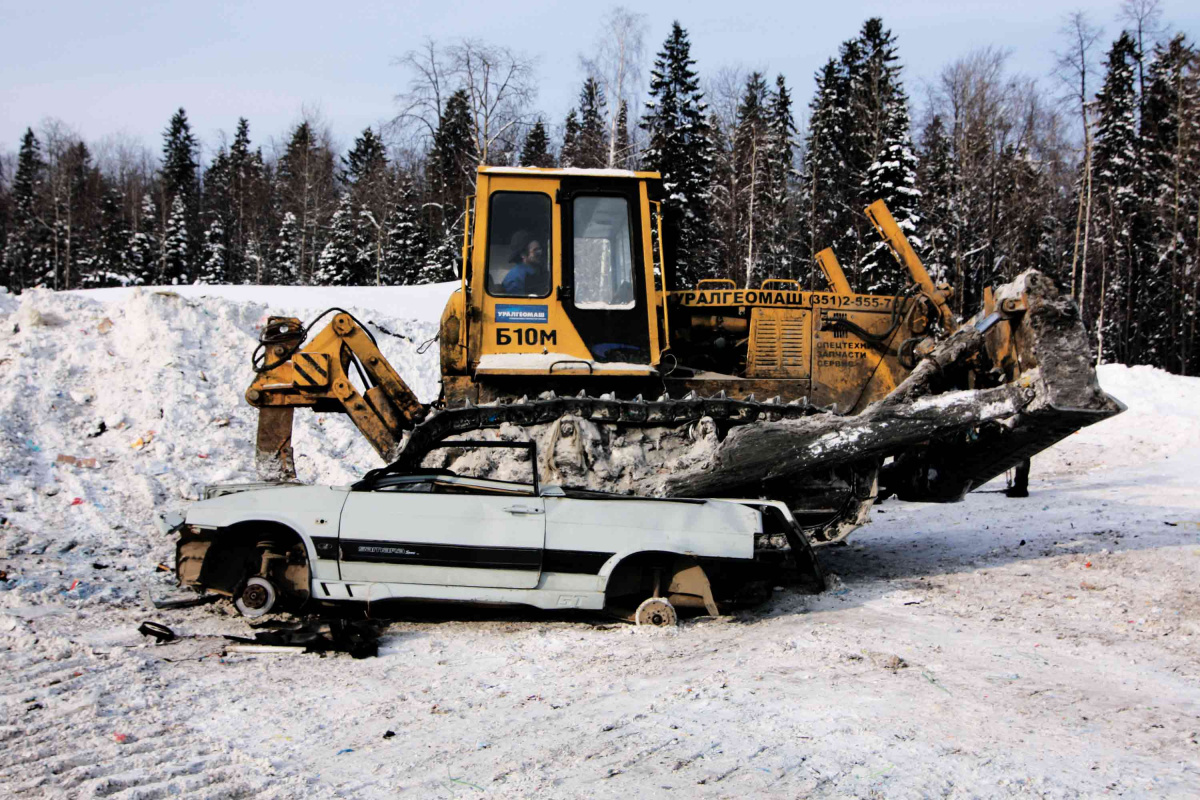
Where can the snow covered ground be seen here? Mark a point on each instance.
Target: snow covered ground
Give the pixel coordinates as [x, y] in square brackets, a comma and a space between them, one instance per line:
[993, 648]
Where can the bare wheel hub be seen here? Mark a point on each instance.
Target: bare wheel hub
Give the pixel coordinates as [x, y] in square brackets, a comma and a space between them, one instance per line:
[656, 611]
[255, 596]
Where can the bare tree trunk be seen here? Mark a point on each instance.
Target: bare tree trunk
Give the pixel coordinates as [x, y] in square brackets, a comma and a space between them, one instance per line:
[1087, 216]
[1100, 319]
[753, 196]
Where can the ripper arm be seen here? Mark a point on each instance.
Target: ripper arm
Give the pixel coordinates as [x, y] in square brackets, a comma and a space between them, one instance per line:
[291, 374]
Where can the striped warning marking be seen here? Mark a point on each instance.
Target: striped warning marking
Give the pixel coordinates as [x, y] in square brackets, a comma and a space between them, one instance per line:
[311, 370]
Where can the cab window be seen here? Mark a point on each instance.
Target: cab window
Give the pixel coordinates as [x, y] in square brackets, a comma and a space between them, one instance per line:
[602, 253]
[519, 245]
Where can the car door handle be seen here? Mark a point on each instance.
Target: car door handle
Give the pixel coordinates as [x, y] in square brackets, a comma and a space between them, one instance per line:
[523, 510]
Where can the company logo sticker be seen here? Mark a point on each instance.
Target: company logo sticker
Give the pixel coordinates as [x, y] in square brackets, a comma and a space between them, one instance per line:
[537, 315]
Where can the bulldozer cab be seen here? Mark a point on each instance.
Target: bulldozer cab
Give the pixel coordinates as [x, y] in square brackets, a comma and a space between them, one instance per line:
[559, 275]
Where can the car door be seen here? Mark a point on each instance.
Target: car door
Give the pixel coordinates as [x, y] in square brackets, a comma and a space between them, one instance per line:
[430, 537]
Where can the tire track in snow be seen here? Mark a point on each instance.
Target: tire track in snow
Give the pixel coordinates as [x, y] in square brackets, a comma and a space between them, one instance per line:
[90, 726]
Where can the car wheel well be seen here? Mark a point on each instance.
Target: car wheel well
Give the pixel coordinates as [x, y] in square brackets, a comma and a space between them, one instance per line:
[260, 548]
[633, 575]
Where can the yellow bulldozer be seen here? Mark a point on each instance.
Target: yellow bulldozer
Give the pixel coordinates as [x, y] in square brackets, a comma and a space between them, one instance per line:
[568, 328]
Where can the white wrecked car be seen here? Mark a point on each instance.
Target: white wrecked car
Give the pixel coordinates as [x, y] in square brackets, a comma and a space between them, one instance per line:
[433, 535]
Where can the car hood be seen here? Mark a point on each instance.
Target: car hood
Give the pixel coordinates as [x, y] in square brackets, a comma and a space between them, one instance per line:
[296, 505]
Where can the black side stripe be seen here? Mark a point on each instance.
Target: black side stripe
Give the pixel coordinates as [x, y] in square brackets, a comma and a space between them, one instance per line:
[423, 554]
[442, 555]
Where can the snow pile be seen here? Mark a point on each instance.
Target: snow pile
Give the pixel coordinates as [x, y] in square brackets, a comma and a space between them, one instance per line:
[423, 303]
[1162, 423]
[117, 408]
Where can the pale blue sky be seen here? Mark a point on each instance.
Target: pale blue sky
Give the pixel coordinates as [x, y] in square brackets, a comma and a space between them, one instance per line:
[108, 67]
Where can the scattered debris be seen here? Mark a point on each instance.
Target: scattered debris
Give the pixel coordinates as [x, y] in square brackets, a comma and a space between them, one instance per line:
[87, 463]
[160, 632]
[186, 601]
[264, 649]
[105, 325]
[889, 661]
[389, 734]
[359, 638]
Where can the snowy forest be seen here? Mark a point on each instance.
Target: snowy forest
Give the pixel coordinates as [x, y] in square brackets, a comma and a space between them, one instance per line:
[1091, 175]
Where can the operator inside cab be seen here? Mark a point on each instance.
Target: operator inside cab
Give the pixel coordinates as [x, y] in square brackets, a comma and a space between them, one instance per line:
[519, 244]
[528, 277]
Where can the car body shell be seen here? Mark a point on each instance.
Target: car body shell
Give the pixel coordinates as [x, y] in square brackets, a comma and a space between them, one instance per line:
[442, 537]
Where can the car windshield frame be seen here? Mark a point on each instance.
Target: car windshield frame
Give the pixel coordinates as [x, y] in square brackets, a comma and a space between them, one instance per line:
[372, 479]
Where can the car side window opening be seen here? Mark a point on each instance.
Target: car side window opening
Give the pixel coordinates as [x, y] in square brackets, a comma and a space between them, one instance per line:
[602, 253]
[422, 487]
[518, 255]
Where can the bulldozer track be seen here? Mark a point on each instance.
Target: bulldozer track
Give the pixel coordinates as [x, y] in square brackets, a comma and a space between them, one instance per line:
[666, 412]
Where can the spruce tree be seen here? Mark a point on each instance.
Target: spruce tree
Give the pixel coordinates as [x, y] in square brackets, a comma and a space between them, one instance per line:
[781, 233]
[825, 179]
[255, 269]
[286, 257]
[247, 193]
[935, 178]
[112, 264]
[1119, 283]
[304, 186]
[623, 147]
[404, 255]
[892, 177]
[220, 214]
[212, 265]
[1170, 135]
[370, 186]
[175, 259]
[341, 262]
[569, 156]
[440, 261]
[859, 150]
[680, 148]
[180, 175]
[452, 163]
[144, 245]
[366, 160]
[752, 173]
[592, 145]
[76, 214]
[536, 150]
[25, 231]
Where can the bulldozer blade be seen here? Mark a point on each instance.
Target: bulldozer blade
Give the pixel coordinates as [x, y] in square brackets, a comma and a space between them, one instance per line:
[273, 455]
[948, 443]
